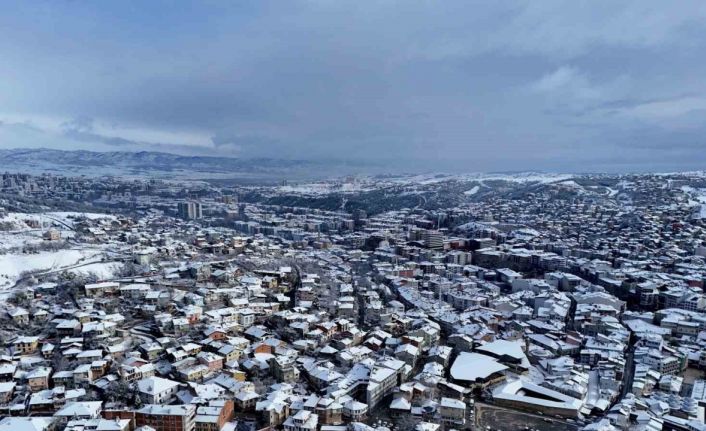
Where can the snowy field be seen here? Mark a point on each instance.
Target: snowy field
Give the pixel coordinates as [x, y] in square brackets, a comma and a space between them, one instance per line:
[472, 191]
[13, 265]
[27, 229]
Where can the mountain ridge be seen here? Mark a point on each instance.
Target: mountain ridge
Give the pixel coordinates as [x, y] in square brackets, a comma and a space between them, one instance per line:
[154, 163]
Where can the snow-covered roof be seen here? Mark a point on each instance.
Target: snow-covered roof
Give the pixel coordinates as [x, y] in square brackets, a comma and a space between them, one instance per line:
[25, 424]
[474, 366]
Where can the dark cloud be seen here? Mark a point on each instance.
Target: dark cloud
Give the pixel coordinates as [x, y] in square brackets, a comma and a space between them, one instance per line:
[463, 85]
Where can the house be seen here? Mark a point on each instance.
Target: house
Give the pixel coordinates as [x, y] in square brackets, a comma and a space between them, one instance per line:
[355, 410]
[79, 410]
[167, 417]
[213, 361]
[453, 412]
[304, 420]
[7, 371]
[284, 369]
[19, 315]
[7, 390]
[63, 378]
[230, 352]
[38, 378]
[246, 400]
[26, 345]
[99, 425]
[151, 350]
[213, 416]
[156, 390]
[216, 334]
[275, 408]
[101, 289]
[68, 327]
[82, 375]
[407, 353]
[48, 350]
[35, 423]
[134, 368]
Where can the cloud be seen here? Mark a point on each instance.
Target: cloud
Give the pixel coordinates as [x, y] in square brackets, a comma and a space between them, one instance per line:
[468, 86]
[79, 133]
[569, 84]
[666, 109]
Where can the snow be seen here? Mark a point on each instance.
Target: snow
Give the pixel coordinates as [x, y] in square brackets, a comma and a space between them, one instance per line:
[400, 404]
[15, 240]
[324, 188]
[51, 218]
[22, 234]
[526, 233]
[12, 265]
[521, 392]
[102, 270]
[69, 216]
[363, 184]
[520, 177]
[13, 262]
[472, 191]
[453, 403]
[512, 349]
[570, 184]
[474, 366]
[700, 199]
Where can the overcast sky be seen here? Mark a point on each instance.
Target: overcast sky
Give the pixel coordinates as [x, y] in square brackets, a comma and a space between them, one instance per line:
[443, 85]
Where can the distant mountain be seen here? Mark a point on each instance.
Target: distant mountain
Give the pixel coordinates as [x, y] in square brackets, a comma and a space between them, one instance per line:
[150, 163]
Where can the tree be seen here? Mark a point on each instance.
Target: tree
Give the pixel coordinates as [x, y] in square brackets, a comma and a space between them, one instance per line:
[20, 299]
[130, 269]
[125, 393]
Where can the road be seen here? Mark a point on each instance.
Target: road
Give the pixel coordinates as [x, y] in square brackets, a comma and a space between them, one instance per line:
[295, 286]
[145, 336]
[629, 374]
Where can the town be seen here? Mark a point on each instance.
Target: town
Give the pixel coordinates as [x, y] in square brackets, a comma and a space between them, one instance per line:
[548, 303]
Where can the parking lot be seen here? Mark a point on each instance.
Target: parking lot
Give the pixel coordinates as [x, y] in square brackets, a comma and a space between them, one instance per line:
[489, 417]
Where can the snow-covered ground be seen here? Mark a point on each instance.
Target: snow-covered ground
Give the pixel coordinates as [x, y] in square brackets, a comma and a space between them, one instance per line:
[699, 196]
[14, 240]
[102, 270]
[27, 229]
[51, 218]
[324, 188]
[472, 191]
[20, 232]
[521, 177]
[363, 184]
[67, 216]
[13, 265]
[570, 184]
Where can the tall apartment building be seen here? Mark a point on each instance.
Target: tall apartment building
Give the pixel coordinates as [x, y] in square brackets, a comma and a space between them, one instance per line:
[384, 377]
[190, 210]
[433, 239]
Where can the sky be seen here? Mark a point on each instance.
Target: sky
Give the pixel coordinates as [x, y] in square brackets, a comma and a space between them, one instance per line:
[571, 86]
